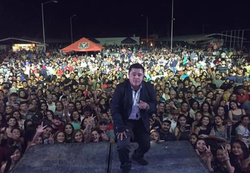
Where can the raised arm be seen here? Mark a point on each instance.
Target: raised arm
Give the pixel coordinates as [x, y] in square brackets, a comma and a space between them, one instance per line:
[39, 131]
[66, 111]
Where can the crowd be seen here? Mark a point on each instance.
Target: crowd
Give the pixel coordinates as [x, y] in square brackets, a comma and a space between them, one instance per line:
[53, 98]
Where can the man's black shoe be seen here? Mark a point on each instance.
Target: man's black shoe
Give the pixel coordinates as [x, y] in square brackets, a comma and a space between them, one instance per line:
[126, 171]
[141, 161]
[126, 168]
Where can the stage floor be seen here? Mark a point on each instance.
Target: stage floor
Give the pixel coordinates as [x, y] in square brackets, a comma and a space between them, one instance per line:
[169, 157]
[65, 158]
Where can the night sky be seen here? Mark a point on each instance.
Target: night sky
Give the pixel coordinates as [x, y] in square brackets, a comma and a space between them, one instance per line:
[94, 18]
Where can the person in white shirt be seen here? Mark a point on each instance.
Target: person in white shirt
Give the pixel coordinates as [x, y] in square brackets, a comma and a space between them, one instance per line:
[173, 118]
[242, 131]
[50, 103]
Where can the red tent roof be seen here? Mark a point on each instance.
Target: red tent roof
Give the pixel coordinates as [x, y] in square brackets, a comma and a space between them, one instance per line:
[82, 45]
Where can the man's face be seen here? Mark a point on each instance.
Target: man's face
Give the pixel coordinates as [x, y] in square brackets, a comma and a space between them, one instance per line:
[203, 84]
[172, 82]
[13, 98]
[24, 84]
[175, 116]
[66, 92]
[62, 79]
[172, 95]
[165, 126]
[241, 91]
[23, 107]
[49, 100]
[72, 76]
[161, 107]
[71, 107]
[103, 127]
[189, 95]
[200, 95]
[136, 76]
[57, 122]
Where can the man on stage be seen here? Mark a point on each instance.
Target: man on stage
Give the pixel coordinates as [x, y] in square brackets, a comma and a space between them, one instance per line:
[133, 102]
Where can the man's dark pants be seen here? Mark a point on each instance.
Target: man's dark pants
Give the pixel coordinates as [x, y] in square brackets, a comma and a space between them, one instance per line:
[142, 137]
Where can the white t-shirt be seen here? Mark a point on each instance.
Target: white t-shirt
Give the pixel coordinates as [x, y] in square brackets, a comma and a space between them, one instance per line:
[241, 130]
[52, 106]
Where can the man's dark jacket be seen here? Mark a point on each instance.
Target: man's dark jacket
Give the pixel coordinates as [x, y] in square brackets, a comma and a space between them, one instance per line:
[122, 102]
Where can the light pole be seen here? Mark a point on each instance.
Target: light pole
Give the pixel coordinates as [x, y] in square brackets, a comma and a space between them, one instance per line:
[172, 25]
[44, 43]
[146, 29]
[71, 30]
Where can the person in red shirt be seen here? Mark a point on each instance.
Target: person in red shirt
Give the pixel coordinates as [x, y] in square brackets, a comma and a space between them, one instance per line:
[242, 96]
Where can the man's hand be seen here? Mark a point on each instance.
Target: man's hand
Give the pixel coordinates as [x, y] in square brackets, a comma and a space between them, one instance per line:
[104, 136]
[40, 129]
[143, 105]
[182, 129]
[122, 135]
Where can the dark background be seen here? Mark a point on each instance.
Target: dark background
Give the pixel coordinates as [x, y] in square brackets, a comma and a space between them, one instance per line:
[94, 18]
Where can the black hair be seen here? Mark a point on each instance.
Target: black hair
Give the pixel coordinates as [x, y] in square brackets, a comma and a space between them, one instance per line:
[56, 134]
[71, 126]
[52, 113]
[79, 116]
[194, 134]
[20, 115]
[16, 128]
[198, 139]
[209, 108]
[209, 124]
[45, 105]
[74, 134]
[215, 128]
[38, 106]
[78, 101]
[16, 125]
[60, 103]
[137, 66]
[232, 101]
[64, 97]
[10, 151]
[244, 116]
[99, 132]
[191, 106]
[243, 147]
[179, 117]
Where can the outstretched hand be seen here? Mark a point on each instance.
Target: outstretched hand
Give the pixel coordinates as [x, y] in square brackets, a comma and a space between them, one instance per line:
[122, 135]
[41, 128]
[91, 119]
[105, 136]
[208, 152]
[51, 139]
[225, 154]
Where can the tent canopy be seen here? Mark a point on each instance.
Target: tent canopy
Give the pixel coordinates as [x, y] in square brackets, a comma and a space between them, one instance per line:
[128, 40]
[82, 45]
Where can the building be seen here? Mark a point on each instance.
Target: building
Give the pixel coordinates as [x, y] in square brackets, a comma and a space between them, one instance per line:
[118, 40]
